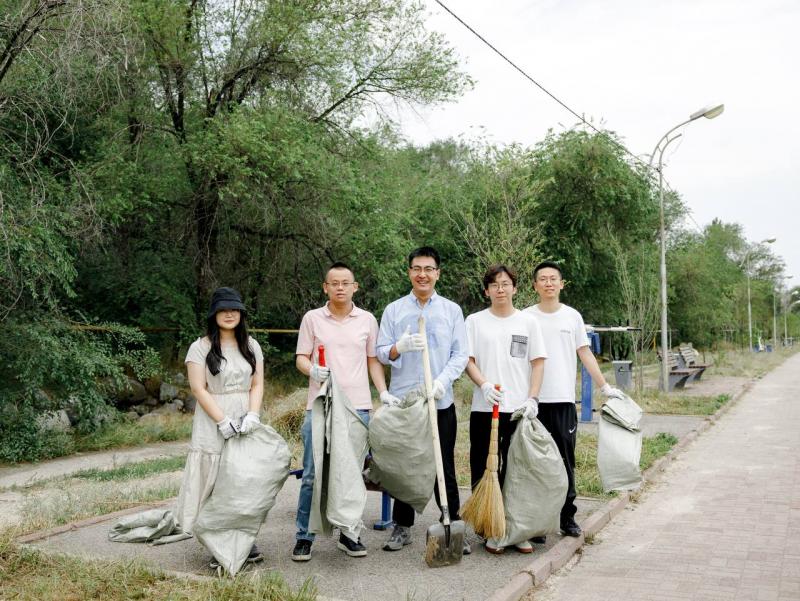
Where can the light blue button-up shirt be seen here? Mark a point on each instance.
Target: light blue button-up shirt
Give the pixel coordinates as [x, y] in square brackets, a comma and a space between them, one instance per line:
[447, 344]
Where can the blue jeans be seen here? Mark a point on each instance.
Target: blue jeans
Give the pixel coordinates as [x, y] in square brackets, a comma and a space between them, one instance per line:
[307, 485]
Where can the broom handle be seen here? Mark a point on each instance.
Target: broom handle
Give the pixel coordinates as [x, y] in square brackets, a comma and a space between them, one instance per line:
[321, 350]
[437, 449]
[492, 461]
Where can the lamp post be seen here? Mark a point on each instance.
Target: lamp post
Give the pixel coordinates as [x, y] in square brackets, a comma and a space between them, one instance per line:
[779, 290]
[786, 307]
[709, 112]
[749, 304]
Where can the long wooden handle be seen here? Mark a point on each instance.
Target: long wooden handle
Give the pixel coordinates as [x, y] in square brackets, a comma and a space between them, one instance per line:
[437, 449]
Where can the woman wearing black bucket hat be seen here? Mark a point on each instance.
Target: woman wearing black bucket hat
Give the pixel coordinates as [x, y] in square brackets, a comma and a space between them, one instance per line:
[226, 374]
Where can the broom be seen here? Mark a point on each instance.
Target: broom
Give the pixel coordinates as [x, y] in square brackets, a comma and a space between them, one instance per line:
[484, 510]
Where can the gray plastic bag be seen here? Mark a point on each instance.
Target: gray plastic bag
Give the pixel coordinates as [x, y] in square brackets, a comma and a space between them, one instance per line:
[536, 483]
[252, 470]
[154, 526]
[339, 440]
[619, 444]
[402, 451]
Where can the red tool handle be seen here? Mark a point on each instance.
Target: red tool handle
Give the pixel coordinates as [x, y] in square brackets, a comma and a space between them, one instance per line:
[321, 350]
[496, 408]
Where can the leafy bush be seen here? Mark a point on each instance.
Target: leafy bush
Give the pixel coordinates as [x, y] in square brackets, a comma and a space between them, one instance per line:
[50, 365]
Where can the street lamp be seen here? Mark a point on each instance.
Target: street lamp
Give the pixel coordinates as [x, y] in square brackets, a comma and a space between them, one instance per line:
[775, 312]
[749, 304]
[786, 298]
[709, 112]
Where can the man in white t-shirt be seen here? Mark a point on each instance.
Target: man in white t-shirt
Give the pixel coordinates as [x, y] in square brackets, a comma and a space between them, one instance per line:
[565, 338]
[506, 363]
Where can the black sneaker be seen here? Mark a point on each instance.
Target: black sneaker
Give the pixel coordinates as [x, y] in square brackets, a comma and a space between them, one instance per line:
[302, 551]
[213, 564]
[539, 540]
[254, 556]
[570, 527]
[353, 549]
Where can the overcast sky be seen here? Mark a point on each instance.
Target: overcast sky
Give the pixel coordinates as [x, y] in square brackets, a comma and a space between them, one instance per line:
[639, 68]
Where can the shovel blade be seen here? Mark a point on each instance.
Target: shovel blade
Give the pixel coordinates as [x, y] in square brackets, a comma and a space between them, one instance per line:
[445, 548]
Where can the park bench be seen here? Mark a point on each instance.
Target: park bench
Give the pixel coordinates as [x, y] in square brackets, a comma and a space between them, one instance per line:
[689, 358]
[677, 376]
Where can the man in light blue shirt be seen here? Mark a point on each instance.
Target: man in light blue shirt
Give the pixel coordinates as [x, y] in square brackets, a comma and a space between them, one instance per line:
[399, 345]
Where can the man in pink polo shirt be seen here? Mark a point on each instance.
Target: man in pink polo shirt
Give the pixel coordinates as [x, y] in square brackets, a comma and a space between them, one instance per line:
[348, 335]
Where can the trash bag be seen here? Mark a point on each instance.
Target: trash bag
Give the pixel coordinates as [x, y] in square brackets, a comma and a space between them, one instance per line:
[401, 444]
[252, 470]
[619, 444]
[339, 440]
[535, 485]
[154, 526]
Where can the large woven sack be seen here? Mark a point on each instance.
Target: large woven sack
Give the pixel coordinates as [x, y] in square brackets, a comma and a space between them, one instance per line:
[535, 485]
[339, 439]
[144, 527]
[252, 470]
[402, 451]
[619, 444]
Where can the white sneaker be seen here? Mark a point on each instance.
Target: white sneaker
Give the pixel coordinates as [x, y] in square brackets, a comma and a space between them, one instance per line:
[524, 547]
[493, 548]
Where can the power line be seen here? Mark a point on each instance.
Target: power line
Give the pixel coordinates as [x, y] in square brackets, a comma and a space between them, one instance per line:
[538, 85]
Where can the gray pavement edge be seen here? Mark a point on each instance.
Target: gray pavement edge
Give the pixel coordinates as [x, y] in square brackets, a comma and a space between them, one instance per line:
[560, 554]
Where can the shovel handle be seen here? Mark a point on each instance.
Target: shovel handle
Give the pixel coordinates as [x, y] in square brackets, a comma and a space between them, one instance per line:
[321, 351]
[437, 449]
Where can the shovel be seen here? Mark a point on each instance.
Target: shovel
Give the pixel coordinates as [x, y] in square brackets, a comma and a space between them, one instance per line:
[445, 541]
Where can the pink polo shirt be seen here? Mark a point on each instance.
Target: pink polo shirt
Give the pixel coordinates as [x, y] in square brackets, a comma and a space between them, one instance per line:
[347, 344]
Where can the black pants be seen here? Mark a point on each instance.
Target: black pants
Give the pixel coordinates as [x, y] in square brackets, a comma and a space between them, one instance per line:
[403, 514]
[561, 420]
[480, 429]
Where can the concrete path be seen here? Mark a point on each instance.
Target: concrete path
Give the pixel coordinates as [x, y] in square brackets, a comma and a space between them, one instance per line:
[27, 474]
[723, 521]
[384, 576]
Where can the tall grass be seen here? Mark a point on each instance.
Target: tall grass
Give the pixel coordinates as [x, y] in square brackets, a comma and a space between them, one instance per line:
[30, 575]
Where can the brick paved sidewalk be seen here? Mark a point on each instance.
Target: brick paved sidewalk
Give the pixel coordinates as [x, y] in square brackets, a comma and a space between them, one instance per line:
[723, 521]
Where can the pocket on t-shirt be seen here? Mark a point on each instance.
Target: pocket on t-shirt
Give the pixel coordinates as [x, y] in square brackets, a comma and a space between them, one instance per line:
[519, 346]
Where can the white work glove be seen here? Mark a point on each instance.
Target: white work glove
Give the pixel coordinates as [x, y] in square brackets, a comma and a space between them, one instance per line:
[389, 399]
[438, 390]
[410, 342]
[491, 394]
[249, 422]
[227, 428]
[319, 373]
[610, 392]
[530, 408]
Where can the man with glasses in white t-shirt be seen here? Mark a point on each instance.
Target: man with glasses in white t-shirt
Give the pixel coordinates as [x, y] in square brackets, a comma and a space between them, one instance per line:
[565, 338]
[506, 363]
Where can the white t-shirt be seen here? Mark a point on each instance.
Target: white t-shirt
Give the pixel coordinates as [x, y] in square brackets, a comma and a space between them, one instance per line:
[564, 333]
[503, 348]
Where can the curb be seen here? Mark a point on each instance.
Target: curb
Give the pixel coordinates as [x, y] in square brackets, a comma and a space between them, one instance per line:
[555, 558]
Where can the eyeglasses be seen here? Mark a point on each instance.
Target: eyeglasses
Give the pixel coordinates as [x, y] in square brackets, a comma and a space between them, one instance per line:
[340, 284]
[553, 279]
[427, 270]
[501, 286]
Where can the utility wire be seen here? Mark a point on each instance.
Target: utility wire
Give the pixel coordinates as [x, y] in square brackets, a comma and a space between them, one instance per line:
[540, 86]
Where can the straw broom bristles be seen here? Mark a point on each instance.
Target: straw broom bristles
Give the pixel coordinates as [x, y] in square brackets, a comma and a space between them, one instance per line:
[484, 510]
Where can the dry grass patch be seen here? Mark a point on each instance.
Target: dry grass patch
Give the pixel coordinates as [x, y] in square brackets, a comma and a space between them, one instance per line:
[30, 575]
[676, 403]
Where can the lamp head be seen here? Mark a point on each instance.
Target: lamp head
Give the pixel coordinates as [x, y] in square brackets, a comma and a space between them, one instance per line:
[709, 112]
[768, 241]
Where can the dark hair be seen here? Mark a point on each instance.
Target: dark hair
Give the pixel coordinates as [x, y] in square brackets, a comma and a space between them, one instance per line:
[214, 358]
[338, 265]
[424, 251]
[494, 271]
[545, 264]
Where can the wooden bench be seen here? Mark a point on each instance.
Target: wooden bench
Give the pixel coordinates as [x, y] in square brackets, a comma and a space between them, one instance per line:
[689, 358]
[677, 376]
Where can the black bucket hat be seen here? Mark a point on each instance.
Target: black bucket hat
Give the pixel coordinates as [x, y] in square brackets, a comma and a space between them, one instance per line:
[225, 298]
